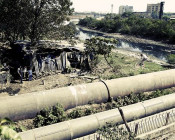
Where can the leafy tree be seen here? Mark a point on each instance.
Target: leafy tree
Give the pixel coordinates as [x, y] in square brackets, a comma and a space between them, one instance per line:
[100, 46]
[88, 22]
[47, 15]
[66, 32]
[13, 18]
[165, 17]
[154, 15]
[127, 14]
[131, 24]
[34, 19]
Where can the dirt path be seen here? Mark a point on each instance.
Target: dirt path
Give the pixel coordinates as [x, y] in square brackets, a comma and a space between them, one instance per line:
[137, 55]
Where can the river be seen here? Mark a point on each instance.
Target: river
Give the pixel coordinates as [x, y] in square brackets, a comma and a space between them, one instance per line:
[157, 51]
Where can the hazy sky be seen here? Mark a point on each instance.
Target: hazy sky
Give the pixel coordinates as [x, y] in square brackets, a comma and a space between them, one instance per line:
[105, 5]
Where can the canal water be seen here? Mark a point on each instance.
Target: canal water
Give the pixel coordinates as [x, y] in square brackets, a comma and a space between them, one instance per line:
[154, 50]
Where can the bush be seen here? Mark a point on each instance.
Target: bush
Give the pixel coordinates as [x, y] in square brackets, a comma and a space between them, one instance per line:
[56, 114]
[114, 132]
[79, 112]
[135, 98]
[116, 68]
[171, 59]
[76, 113]
[49, 116]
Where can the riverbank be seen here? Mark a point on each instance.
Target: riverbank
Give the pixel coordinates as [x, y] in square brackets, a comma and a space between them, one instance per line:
[130, 38]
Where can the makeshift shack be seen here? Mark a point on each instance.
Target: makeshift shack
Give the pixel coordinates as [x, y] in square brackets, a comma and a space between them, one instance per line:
[47, 57]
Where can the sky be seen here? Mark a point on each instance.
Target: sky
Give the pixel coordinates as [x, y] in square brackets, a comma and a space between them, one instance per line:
[104, 6]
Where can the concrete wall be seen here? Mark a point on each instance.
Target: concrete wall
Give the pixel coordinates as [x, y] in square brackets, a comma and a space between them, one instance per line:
[27, 105]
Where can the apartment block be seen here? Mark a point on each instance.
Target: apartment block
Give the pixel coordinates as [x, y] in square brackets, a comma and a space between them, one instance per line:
[153, 8]
[123, 9]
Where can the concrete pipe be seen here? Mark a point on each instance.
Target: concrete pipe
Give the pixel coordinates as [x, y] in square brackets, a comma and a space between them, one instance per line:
[76, 128]
[141, 83]
[27, 105]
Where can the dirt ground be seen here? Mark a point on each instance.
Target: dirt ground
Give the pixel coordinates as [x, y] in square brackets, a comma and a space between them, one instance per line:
[45, 83]
[57, 80]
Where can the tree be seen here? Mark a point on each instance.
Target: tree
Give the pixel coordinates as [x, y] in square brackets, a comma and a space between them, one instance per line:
[66, 32]
[47, 16]
[13, 18]
[100, 46]
[127, 14]
[131, 24]
[34, 19]
[154, 15]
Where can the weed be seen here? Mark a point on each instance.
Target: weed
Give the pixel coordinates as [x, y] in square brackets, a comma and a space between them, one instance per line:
[114, 132]
[49, 116]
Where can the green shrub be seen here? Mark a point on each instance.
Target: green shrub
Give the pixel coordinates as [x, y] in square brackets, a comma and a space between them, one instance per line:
[171, 59]
[135, 98]
[56, 113]
[89, 111]
[114, 132]
[116, 68]
[49, 116]
[76, 113]
[80, 112]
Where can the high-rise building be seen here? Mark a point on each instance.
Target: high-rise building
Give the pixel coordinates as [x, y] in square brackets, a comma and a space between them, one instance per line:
[155, 9]
[123, 9]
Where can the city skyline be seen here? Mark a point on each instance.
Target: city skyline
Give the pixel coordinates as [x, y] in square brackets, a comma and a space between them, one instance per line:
[104, 6]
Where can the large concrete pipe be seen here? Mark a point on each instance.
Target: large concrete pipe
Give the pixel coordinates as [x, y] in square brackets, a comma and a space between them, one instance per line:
[72, 129]
[27, 105]
[141, 83]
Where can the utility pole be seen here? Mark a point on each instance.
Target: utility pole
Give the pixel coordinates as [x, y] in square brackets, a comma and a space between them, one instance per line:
[161, 10]
[112, 6]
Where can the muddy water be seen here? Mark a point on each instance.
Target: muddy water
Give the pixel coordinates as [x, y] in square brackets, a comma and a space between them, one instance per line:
[157, 51]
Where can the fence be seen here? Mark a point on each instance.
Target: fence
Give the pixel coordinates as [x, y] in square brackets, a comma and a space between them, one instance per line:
[141, 126]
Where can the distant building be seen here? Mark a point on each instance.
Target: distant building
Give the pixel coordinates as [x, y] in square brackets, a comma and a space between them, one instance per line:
[142, 14]
[156, 10]
[172, 17]
[123, 9]
[153, 9]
